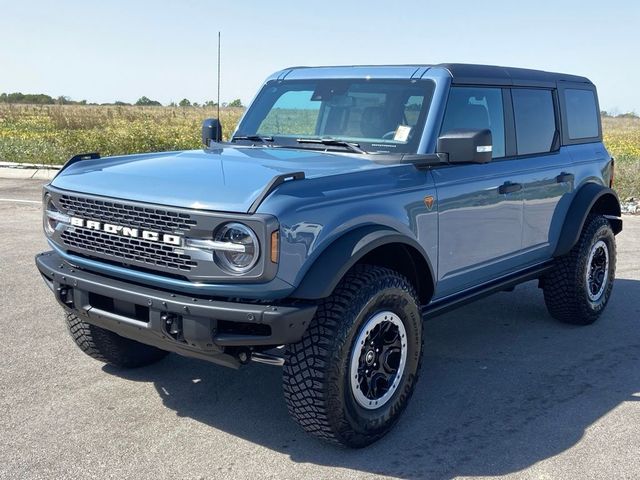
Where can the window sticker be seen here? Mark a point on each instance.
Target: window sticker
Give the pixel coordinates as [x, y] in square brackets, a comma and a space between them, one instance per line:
[402, 133]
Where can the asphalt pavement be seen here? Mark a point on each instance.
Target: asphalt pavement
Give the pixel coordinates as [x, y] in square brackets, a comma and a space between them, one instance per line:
[505, 391]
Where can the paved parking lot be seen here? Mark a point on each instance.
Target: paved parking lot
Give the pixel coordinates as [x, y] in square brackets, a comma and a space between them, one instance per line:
[505, 390]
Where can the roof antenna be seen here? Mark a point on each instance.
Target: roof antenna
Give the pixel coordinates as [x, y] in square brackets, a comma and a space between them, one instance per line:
[219, 78]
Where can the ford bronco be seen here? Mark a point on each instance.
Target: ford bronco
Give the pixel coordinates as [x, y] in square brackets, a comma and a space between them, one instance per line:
[349, 204]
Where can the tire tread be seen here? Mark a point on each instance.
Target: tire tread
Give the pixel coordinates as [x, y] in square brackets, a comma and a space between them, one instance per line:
[310, 389]
[564, 288]
[109, 347]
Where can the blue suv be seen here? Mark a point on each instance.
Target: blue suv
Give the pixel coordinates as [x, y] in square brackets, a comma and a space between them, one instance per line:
[349, 204]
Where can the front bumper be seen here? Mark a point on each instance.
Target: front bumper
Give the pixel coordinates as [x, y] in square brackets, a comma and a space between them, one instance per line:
[204, 328]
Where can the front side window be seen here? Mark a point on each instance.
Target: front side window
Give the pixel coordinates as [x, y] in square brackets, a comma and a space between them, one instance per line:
[582, 113]
[535, 120]
[378, 115]
[476, 108]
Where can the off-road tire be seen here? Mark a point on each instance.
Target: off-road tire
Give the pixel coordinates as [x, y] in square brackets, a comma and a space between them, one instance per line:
[565, 287]
[316, 377]
[109, 347]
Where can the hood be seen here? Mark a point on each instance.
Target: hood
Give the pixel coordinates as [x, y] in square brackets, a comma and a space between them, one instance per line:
[228, 179]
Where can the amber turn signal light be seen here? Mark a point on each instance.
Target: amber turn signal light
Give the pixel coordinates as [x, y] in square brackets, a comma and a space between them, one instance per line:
[275, 246]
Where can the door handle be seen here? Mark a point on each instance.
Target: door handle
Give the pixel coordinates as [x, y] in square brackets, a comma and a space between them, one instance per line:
[508, 187]
[565, 177]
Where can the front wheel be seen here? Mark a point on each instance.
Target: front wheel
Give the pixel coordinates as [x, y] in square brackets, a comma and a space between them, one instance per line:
[350, 377]
[578, 288]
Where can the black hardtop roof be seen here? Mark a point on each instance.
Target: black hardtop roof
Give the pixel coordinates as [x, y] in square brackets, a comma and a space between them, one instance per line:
[461, 73]
[490, 74]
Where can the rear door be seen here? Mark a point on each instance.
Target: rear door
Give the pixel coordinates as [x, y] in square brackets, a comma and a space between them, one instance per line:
[480, 206]
[549, 177]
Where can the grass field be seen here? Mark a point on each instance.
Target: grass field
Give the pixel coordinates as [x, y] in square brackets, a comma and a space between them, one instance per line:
[52, 134]
[622, 138]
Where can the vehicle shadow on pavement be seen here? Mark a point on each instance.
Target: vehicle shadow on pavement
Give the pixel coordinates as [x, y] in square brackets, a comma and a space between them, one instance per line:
[503, 386]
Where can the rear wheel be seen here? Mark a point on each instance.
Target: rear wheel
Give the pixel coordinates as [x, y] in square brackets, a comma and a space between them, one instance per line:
[109, 347]
[578, 288]
[350, 377]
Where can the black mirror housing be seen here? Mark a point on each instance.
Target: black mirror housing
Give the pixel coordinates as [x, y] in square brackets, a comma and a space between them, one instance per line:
[467, 145]
[211, 131]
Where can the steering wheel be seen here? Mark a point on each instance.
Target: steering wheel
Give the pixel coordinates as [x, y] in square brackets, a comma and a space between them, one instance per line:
[389, 135]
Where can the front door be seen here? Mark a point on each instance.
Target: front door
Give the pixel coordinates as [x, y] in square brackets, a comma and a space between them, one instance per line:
[480, 206]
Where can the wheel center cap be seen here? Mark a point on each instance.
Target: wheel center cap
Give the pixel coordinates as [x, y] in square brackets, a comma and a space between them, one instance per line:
[370, 357]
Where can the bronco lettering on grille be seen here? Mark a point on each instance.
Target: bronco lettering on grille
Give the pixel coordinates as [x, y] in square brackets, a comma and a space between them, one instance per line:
[150, 236]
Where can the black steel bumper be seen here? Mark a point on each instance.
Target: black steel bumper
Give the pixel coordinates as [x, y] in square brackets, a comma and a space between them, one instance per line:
[203, 328]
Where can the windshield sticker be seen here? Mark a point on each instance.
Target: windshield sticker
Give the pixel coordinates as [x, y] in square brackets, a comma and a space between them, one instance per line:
[402, 133]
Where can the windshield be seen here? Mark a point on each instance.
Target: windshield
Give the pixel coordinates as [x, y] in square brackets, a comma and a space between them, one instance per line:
[374, 115]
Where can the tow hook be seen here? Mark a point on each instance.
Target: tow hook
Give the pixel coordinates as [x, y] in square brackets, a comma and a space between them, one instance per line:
[65, 295]
[173, 326]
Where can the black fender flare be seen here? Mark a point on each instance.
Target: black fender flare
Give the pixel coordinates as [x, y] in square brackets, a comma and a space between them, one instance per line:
[343, 253]
[590, 195]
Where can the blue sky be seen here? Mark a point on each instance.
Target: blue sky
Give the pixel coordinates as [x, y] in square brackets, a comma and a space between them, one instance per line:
[166, 50]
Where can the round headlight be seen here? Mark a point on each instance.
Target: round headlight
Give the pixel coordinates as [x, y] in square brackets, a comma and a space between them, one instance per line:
[51, 216]
[48, 222]
[239, 251]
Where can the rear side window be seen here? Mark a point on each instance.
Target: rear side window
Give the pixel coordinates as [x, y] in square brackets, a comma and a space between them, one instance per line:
[582, 114]
[476, 108]
[535, 120]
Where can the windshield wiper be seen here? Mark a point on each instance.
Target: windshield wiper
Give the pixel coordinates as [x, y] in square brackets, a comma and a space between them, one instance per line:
[333, 142]
[253, 138]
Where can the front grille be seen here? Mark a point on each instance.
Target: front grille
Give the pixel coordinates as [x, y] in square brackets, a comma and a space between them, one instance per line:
[124, 248]
[155, 219]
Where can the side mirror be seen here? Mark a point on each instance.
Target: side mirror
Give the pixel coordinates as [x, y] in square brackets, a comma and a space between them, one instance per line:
[211, 131]
[466, 145]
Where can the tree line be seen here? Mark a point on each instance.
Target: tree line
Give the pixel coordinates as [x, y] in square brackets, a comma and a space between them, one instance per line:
[43, 99]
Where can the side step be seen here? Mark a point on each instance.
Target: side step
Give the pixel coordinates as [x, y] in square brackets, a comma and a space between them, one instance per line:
[450, 302]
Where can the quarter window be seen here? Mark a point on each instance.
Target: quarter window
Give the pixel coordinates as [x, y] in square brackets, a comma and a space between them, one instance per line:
[582, 114]
[535, 120]
[476, 108]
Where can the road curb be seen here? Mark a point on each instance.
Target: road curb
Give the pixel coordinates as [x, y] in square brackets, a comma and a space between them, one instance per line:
[28, 171]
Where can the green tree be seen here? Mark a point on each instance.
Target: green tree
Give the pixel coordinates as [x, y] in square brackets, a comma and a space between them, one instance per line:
[236, 103]
[184, 103]
[17, 97]
[147, 102]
